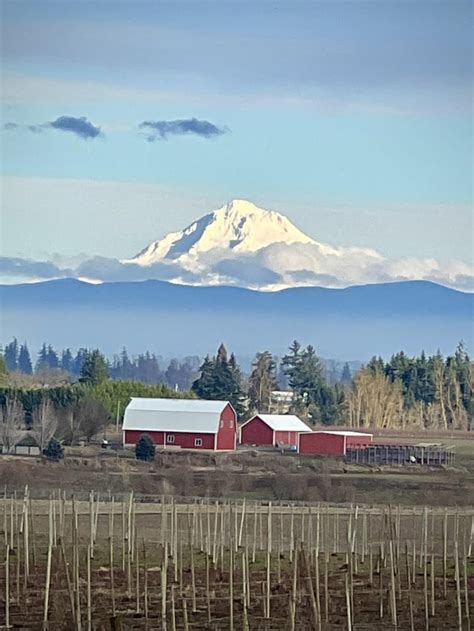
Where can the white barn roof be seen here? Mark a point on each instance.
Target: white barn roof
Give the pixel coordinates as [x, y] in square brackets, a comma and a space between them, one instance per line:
[340, 432]
[173, 415]
[282, 422]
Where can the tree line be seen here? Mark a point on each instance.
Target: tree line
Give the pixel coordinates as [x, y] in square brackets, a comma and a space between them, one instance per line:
[419, 392]
[145, 367]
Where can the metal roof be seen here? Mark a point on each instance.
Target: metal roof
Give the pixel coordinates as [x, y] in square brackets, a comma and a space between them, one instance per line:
[173, 415]
[340, 432]
[282, 422]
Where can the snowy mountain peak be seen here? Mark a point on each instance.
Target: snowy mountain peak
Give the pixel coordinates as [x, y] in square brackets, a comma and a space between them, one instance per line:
[239, 226]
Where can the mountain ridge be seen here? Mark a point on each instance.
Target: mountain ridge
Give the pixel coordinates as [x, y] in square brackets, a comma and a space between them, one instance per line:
[243, 245]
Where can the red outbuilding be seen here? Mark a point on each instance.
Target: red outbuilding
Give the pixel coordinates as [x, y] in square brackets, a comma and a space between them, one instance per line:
[332, 442]
[185, 423]
[272, 429]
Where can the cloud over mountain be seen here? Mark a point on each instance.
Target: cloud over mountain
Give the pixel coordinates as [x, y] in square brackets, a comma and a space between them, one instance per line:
[246, 246]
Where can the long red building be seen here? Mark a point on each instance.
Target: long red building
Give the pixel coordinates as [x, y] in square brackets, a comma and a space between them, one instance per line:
[185, 423]
[272, 429]
[332, 442]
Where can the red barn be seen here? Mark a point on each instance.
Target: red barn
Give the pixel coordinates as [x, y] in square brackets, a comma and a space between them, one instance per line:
[185, 423]
[332, 442]
[271, 429]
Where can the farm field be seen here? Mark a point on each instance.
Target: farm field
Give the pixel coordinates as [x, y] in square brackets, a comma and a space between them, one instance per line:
[244, 540]
[117, 563]
[256, 475]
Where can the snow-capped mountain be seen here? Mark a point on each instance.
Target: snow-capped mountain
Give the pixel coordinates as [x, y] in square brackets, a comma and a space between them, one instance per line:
[246, 246]
[239, 226]
[241, 244]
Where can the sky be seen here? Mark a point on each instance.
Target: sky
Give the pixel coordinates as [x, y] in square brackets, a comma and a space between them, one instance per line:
[122, 121]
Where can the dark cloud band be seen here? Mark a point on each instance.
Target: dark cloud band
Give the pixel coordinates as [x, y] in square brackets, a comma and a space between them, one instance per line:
[79, 126]
[160, 130]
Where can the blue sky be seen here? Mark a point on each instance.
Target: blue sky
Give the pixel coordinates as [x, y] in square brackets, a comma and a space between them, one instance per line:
[353, 118]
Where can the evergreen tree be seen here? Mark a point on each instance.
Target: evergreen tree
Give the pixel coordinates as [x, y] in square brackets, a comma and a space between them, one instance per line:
[10, 355]
[220, 380]
[312, 395]
[42, 361]
[346, 376]
[79, 360]
[54, 450]
[24, 360]
[145, 448]
[94, 369]
[203, 386]
[67, 361]
[52, 358]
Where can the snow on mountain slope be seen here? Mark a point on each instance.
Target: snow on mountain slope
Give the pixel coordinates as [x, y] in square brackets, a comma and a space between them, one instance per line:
[246, 246]
[241, 244]
[240, 226]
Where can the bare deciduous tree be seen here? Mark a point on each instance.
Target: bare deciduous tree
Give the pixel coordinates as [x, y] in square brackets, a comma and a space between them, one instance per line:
[83, 420]
[45, 424]
[12, 424]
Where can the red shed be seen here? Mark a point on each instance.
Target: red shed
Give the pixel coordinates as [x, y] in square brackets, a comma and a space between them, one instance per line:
[185, 423]
[271, 429]
[332, 442]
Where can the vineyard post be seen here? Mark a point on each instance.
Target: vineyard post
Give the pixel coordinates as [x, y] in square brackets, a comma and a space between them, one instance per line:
[269, 555]
[457, 578]
[89, 604]
[46, 590]
[208, 596]
[466, 588]
[173, 608]
[7, 582]
[445, 550]
[145, 580]
[432, 584]
[231, 586]
[392, 586]
[185, 615]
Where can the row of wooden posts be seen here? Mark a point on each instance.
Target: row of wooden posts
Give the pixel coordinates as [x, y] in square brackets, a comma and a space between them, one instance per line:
[403, 555]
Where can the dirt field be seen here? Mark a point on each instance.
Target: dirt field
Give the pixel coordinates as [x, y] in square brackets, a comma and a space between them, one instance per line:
[103, 565]
[251, 474]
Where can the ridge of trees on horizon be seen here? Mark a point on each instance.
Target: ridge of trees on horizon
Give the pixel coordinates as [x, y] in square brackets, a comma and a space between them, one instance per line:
[418, 392]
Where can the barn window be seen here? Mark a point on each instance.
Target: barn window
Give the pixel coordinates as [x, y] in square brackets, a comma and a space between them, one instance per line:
[222, 423]
[198, 442]
[170, 438]
[231, 423]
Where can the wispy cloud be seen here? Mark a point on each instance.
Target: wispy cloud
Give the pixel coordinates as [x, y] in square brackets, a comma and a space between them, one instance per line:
[79, 126]
[160, 130]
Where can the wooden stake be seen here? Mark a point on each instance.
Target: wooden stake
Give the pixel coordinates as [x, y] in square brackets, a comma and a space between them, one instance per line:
[46, 590]
[89, 599]
[7, 580]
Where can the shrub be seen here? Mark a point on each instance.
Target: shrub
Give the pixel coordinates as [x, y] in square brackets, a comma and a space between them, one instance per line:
[145, 448]
[54, 450]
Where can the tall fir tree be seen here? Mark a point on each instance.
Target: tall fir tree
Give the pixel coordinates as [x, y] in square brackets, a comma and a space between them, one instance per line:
[42, 361]
[67, 361]
[220, 381]
[94, 370]
[10, 354]
[52, 358]
[346, 376]
[24, 360]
